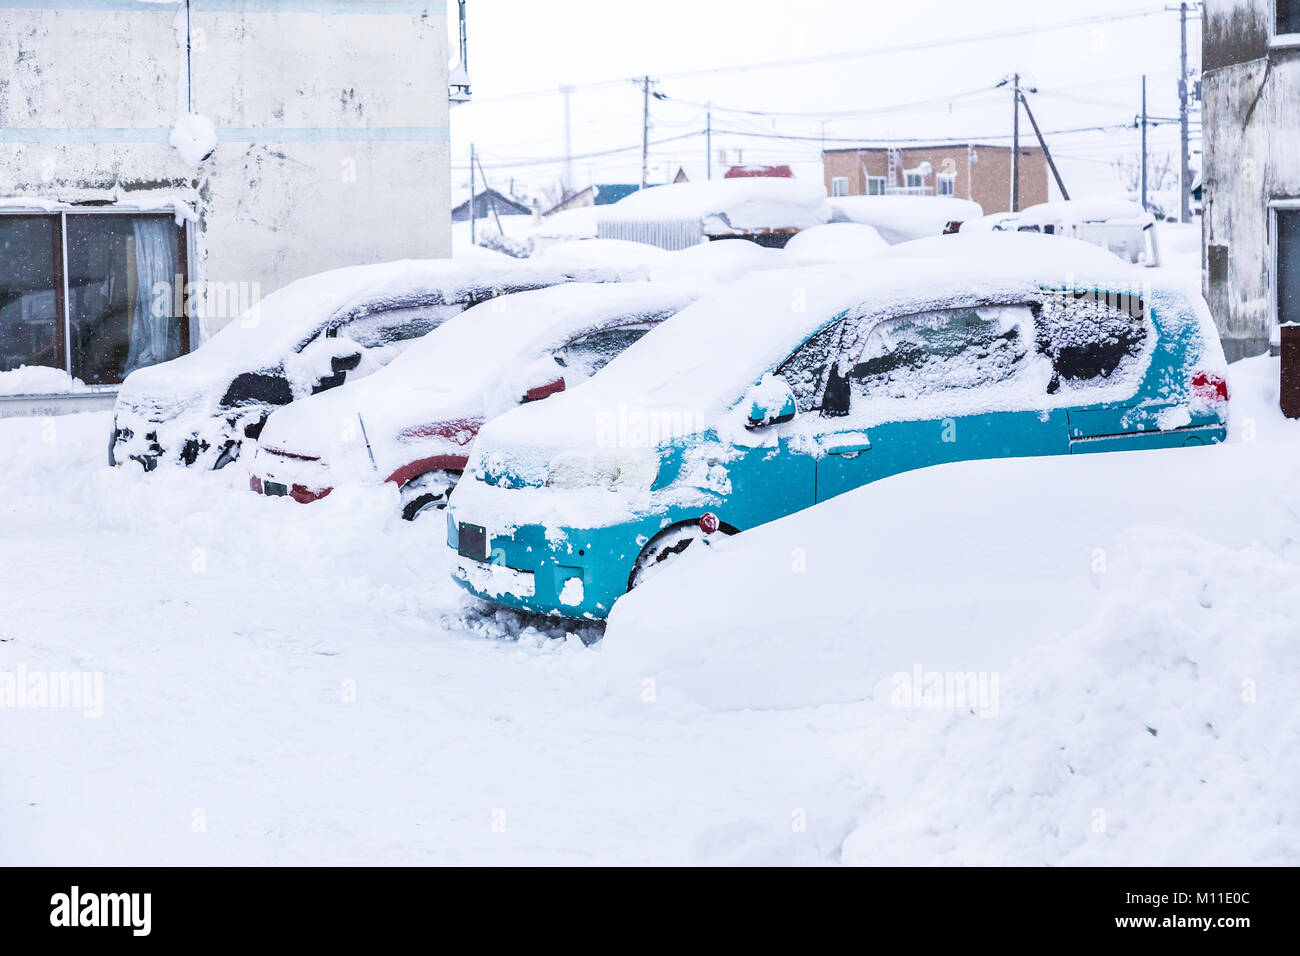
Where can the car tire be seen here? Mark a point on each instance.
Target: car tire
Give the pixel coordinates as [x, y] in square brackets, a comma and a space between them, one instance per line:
[427, 492]
[666, 545]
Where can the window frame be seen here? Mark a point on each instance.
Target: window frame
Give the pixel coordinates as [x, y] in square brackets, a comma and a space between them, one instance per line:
[940, 179]
[1279, 40]
[1276, 206]
[881, 182]
[838, 183]
[62, 292]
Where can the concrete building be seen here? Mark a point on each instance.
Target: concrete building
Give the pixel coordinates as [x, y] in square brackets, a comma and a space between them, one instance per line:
[969, 171]
[158, 152]
[1251, 111]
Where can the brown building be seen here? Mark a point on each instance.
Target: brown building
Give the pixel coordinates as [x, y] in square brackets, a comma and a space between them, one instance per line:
[981, 173]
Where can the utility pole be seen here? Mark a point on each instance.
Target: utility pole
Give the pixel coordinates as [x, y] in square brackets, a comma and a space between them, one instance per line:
[645, 131]
[1184, 164]
[568, 145]
[472, 160]
[1144, 142]
[1047, 153]
[1015, 142]
[708, 142]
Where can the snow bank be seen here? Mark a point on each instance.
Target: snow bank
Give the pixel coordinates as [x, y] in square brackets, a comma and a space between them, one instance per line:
[833, 242]
[1073, 660]
[38, 380]
[899, 218]
[735, 204]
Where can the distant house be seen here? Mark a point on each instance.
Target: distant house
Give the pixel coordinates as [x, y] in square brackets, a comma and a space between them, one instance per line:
[969, 171]
[778, 172]
[597, 194]
[485, 202]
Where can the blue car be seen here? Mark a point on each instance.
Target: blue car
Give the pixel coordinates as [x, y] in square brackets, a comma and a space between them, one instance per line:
[792, 387]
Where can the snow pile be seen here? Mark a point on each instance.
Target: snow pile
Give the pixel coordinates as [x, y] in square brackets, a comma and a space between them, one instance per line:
[592, 253]
[833, 242]
[1073, 212]
[900, 218]
[1071, 660]
[727, 205]
[194, 137]
[38, 380]
[722, 260]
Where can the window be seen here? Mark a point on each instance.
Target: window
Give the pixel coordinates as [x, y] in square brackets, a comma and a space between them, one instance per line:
[1286, 17]
[94, 294]
[934, 351]
[875, 185]
[805, 370]
[946, 184]
[31, 290]
[839, 185]
[387, 327]
[588, 354]
[1287, 267]
[1089, 335]
[914, 180]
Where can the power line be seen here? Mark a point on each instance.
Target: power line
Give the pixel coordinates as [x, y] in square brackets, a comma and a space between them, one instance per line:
[887, 50]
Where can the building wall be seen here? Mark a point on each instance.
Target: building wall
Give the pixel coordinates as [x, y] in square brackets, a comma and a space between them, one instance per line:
[331, 119]
[983, 173]
[1251, 110]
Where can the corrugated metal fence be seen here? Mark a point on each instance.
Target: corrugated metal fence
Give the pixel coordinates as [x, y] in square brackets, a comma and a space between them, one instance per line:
[671, 234]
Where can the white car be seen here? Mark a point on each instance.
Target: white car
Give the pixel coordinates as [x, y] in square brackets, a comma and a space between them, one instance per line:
[310, 336]
[413, 423]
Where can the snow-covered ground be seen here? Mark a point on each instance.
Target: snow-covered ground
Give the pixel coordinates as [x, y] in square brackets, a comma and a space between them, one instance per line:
[293, 684]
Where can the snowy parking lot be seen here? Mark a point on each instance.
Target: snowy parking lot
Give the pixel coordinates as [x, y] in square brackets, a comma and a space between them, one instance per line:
[304, 684]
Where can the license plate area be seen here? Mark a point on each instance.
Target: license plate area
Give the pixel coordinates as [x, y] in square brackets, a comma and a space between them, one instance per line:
[472, 542]
[275, 489]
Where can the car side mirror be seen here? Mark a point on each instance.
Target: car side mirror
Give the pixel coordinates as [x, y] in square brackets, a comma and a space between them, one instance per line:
[771, 402]
[545, 390]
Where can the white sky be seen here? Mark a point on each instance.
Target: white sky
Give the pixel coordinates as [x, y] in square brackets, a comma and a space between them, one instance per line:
[522, 51]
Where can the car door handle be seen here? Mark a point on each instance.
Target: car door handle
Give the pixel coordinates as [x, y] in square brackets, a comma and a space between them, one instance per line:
[847, 445]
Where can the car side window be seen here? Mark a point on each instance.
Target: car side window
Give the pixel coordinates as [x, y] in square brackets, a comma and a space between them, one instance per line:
[387, 327]
[587, 354]
[805, 370]
[928, 352]
[1088, 335]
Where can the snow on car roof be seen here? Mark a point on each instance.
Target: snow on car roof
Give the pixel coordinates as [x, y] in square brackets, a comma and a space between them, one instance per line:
[900, 218]
[744, 203]
[475, 352]
[721, 260]
[591, 253]
[699, 360]
[282, 321]
[833, 242]
[1076, 211]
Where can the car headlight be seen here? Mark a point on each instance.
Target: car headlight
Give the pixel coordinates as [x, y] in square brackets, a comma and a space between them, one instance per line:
[625, 470]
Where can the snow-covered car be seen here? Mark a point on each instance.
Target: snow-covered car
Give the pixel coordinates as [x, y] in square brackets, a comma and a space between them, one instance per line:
[413, 423]
[788, 388]
[904, 218]
[310, 336]
[1121, 227]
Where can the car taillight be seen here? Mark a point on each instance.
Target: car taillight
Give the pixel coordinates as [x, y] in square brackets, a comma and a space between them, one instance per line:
[1210, 387]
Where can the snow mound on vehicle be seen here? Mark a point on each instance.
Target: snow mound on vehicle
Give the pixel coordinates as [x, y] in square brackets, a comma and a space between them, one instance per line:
[833, 242]
[900, 218]
[742, 204]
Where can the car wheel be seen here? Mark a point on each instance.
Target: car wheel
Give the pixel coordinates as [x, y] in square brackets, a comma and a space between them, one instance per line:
[427, 492]
[667, 545]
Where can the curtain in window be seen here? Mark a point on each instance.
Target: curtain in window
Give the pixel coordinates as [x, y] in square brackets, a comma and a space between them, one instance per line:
[155, 331]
